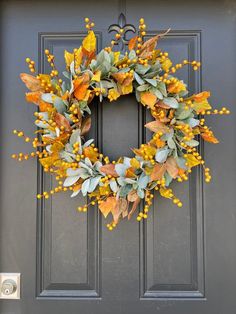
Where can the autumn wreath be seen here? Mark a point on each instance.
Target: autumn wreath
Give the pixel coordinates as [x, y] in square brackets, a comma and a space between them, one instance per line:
[63, 119]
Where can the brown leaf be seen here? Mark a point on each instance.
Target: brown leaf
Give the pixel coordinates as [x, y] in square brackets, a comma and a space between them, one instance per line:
[134, 207]
[120, 208]
[132, 196]
[62, 121]
[109, 170]
[31, 82]
[107, 206]
[157, 126]
[148, 46]
[132, 42]
[172, 167]
[158, 172]
[86, 125]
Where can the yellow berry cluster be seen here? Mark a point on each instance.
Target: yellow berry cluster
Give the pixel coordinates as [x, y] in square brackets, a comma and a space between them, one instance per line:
[148, 204]
[31, 64]
[89, 25]
[216, 111]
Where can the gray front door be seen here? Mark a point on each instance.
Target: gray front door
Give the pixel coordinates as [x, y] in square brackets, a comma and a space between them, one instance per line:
[182, 260]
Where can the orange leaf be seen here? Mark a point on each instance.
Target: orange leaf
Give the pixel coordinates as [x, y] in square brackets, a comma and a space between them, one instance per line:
[148, 99]
[109, 170]
[201, 96]
[132, 42]
[62, 121]
[172, 167]
[91, 153]
[157, 126]
[209, 138]
[108, 206]
[31, 82]
[130, 172]
[119, 77]
[158, 172]
[44, 106]
[81, 85]
[33, 97]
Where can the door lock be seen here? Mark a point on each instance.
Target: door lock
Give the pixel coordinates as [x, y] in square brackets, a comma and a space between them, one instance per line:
[9, 286]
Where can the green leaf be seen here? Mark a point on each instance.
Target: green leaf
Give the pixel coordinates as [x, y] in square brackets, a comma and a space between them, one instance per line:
[171, 101]
[161, 155]
[93, 183]
[85, 187]
[59, 104]
[132, 54]
[138, 79]
[152, 82]
[141, 69]
[162, 88]
[192, 143]
[171, 143]
[142, 88]
[156, 92]
[47, 97]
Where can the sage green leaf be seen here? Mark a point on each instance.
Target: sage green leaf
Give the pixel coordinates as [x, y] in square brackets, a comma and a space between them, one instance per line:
[132, 54]
[156, 92]
[192, 143]
[161, 154]
[138, 79]
[113, 185]
[141, 69]
[142, 88]
[69, 181]
[124, 191]
[47, 97]
[93, 183]
[162, 88]
[85, 187]
[171, 101]
[140, 193]
[151, 81]
[171, 143]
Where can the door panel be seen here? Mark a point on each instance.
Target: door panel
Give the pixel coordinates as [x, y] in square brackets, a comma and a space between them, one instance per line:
[181, 260]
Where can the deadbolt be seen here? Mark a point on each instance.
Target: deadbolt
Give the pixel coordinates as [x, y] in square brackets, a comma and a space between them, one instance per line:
[9, 286]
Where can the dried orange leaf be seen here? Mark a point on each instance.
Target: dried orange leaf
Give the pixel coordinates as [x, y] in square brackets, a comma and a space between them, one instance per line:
[157, 126]
[109, 170]
[134, 207]
[172, 167]
[158, 172]
[33, 97]
[62, 121]
[148, 99]
[209, 138]
[132, 42]
[31, 82]
[86, 125]
[107, 206]
[132, 196]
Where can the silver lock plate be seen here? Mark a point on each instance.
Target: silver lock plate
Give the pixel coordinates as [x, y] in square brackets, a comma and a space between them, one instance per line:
[9, 285]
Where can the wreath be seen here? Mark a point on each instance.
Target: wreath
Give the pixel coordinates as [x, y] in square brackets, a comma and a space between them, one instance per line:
[63, 119]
